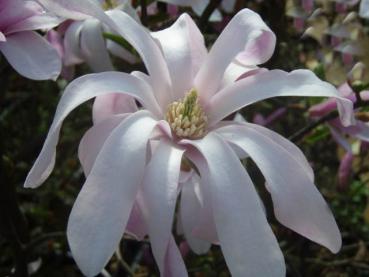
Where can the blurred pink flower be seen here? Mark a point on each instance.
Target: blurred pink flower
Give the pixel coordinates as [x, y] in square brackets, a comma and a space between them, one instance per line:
[133, 161]
[25, 50]
[360, 130]
[81, 38]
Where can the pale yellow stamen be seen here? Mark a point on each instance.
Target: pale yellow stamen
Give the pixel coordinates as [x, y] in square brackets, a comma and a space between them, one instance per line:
[110, 4]
[186, 117]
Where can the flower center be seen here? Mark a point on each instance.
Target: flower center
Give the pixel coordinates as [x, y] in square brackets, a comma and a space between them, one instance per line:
[186, 117]
[110, 4]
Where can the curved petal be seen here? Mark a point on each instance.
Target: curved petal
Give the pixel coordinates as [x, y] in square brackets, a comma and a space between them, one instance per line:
[107, 105]
[93, 46]
[160, 191]
[15, 11]
[150, 53]
[297, 202]
[190, 206]
[40, 21]
[247, 241]
[31, 56]
[129, 29]
[101, 211]
[174, 265]
[93, 140]
[252, 41]
[77, 92]
[184, 50]
[271, 84]
[72, 50]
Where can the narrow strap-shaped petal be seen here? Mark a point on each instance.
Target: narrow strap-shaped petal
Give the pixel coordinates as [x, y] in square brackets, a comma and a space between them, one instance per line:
[31, 56]
[246, 239]
[129, 29]
[160, 190]
[190, 207]
[93, 46]
[76, 93]
[247, 36]
[184, 50]
[72, 50]
[297, 202]
[39, 21]
[174, 265]
[275, 83]
[100, 214]
[94, 139]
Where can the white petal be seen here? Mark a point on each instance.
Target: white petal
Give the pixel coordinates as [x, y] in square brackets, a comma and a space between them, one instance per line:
[271, 84]
[77, 92]
[184, 50]
[190, 207]
[36, 22]
[159, 191]
[297, 202]
[72, 49]
[93, 140]
[247, 35]
[93, 46]
[31, 55]
[101, 211]
[246, 239]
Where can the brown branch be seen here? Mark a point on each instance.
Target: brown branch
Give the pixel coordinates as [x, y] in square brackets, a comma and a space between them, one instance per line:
[210, 8]
[143, 12]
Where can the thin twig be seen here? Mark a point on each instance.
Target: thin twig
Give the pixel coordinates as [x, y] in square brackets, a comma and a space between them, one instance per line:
[308, 128]
[210, 8]
[144, 12]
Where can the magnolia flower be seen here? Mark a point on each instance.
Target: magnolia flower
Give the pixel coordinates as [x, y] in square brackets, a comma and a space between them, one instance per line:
[81, 40]
[358, 131]
[27, 52]
[133, 161]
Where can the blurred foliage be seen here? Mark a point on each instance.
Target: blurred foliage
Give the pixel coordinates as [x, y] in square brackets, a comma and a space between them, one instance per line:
[26, 111]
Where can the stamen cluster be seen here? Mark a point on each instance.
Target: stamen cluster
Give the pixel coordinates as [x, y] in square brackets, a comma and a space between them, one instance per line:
[186, 117]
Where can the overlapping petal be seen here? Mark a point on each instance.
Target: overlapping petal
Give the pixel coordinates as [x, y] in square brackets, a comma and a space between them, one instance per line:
[252, 41]
[271, 84]
[297, 202]
[79, 91]
[31, 55]
[247, 242]
[184, 50]
[160, 191]
[101, 211]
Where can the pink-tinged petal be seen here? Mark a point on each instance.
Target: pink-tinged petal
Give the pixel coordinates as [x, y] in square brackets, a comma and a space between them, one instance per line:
[55, 39]
[236, 71]
[31, 56]
[93, 46]
[297, 202]
[290, 148]
[271, 84]
[344, 171]
[360, 130]
[240, 221]
[93, 140]
[2, 37]
[72, 50]
[190, 207]
[107, 105]
[252, 42]
[174, 265]
[120, 52]
[100, 214]
[76, 93]
[40, 21]
[16, 11]
[149, 51]
[184, 50]
[160, 191]
[130, 30]
[136, 225]
[76, 10]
